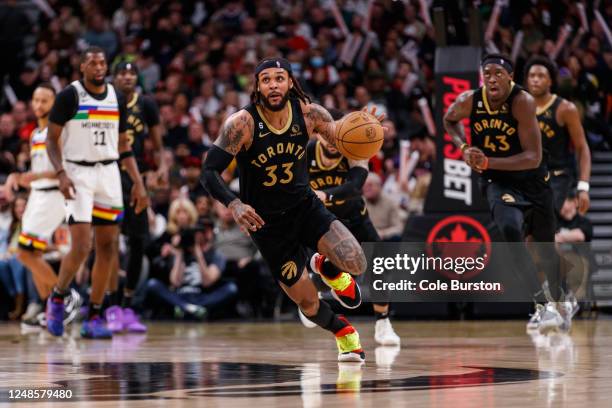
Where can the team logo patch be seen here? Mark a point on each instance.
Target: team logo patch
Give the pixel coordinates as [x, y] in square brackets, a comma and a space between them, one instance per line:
[289, 270]
[504, 108]
[295, 130]
[370, 134]
[508, 198]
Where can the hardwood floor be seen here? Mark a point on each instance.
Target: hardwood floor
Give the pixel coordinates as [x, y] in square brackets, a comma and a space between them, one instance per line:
[440, 364]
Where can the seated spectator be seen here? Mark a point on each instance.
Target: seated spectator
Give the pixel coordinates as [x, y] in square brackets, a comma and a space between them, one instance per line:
[383, 211]
[244, 264]
[12, 272]
[195, 269]
[573, 227]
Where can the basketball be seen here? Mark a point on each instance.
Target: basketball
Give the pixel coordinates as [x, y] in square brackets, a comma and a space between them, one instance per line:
[360, 136]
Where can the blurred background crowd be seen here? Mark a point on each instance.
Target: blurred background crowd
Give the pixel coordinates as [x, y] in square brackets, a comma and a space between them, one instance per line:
[196, 59]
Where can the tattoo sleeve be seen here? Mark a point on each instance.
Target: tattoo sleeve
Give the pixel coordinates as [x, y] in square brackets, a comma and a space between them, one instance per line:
[318, 119]
[232, 135]
[459, 110]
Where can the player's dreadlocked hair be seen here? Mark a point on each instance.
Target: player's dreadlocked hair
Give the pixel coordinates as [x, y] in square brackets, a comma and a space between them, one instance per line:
[546, 63]
[295, 92]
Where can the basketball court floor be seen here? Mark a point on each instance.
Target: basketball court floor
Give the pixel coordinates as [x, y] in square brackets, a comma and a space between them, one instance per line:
[440, 364]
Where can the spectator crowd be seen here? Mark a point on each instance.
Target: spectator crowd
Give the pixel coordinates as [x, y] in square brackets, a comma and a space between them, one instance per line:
[196, 58]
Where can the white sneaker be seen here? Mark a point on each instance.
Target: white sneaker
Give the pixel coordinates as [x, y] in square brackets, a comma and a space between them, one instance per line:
[31, 312]
[306, 321]
[571, 298]
[72, 306]
[384, 333]
[534, 321]
[551, 320]
[386, 355]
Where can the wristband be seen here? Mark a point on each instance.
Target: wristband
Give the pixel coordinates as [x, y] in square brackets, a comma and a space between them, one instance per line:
[126, 154]
[583, 186]
[60, 171]
[463, 147]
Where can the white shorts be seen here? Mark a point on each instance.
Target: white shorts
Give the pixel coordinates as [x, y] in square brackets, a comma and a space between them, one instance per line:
[44, 212]
[98, 199]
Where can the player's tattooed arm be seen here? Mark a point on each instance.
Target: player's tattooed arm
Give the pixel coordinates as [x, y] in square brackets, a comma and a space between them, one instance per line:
[236, 132]
[319, 120]
[453, 124]
[342, 249]
[453, 118]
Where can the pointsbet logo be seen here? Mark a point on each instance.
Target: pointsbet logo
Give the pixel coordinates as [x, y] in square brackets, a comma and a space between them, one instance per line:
[411, 264]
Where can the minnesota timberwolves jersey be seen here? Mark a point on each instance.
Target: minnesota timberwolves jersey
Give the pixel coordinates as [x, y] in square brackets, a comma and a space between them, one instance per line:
[322, 178]
[273, 171]
[555, 138]
[496, 134]
[40, 159]
[93, 132]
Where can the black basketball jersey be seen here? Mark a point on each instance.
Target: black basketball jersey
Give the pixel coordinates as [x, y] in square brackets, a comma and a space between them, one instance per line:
[496, 133]
[322, 178]
[555, 138]
[142, 114]
[273, 171]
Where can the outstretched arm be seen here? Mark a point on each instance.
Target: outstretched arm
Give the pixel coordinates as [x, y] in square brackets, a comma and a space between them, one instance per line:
[357, 174]
[319, 120]
[237, 131]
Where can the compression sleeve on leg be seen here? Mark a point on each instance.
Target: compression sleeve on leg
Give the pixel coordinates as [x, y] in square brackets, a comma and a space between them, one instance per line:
[216, 161]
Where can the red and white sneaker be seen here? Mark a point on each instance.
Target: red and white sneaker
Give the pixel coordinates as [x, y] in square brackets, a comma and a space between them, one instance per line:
[349, 346]
[344, 288]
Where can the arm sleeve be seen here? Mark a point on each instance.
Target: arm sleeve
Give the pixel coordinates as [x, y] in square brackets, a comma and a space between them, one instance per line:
[351, 188]
[150, 111]
[123, 113]
[65, 106]
[216, 161]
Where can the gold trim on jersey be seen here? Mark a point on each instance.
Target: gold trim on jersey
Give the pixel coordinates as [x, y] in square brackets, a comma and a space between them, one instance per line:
[318, 159]
[486, 102]
[544, 108]
[131, 103]
[272, 128]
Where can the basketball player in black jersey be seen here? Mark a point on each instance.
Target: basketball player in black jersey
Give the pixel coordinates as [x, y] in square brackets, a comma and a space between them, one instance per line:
[142, 123]
[277, 205]
[506, 149]
[338, 182]
[561, 129]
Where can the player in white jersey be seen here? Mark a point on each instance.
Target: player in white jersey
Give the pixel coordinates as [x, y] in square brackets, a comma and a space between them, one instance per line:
[86, 139]
[45, 208]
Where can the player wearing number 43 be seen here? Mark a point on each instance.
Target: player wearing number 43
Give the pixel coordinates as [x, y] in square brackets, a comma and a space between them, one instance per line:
[506, 150]
[87, 136]
[277, 206]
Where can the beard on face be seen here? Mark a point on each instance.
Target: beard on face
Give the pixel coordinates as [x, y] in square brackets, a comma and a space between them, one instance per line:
[274, 108]
[97, 82]
[329, 154]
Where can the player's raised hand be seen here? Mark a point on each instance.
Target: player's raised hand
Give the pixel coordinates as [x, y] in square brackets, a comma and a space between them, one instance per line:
[246, 216]
[139, 198]
[372, 111]
[66, 185]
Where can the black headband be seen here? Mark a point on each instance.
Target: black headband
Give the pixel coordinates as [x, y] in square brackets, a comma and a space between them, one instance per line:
[273, 63]
[504, 62]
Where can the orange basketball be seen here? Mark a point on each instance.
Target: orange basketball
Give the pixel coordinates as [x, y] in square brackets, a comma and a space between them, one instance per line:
[360, 136]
